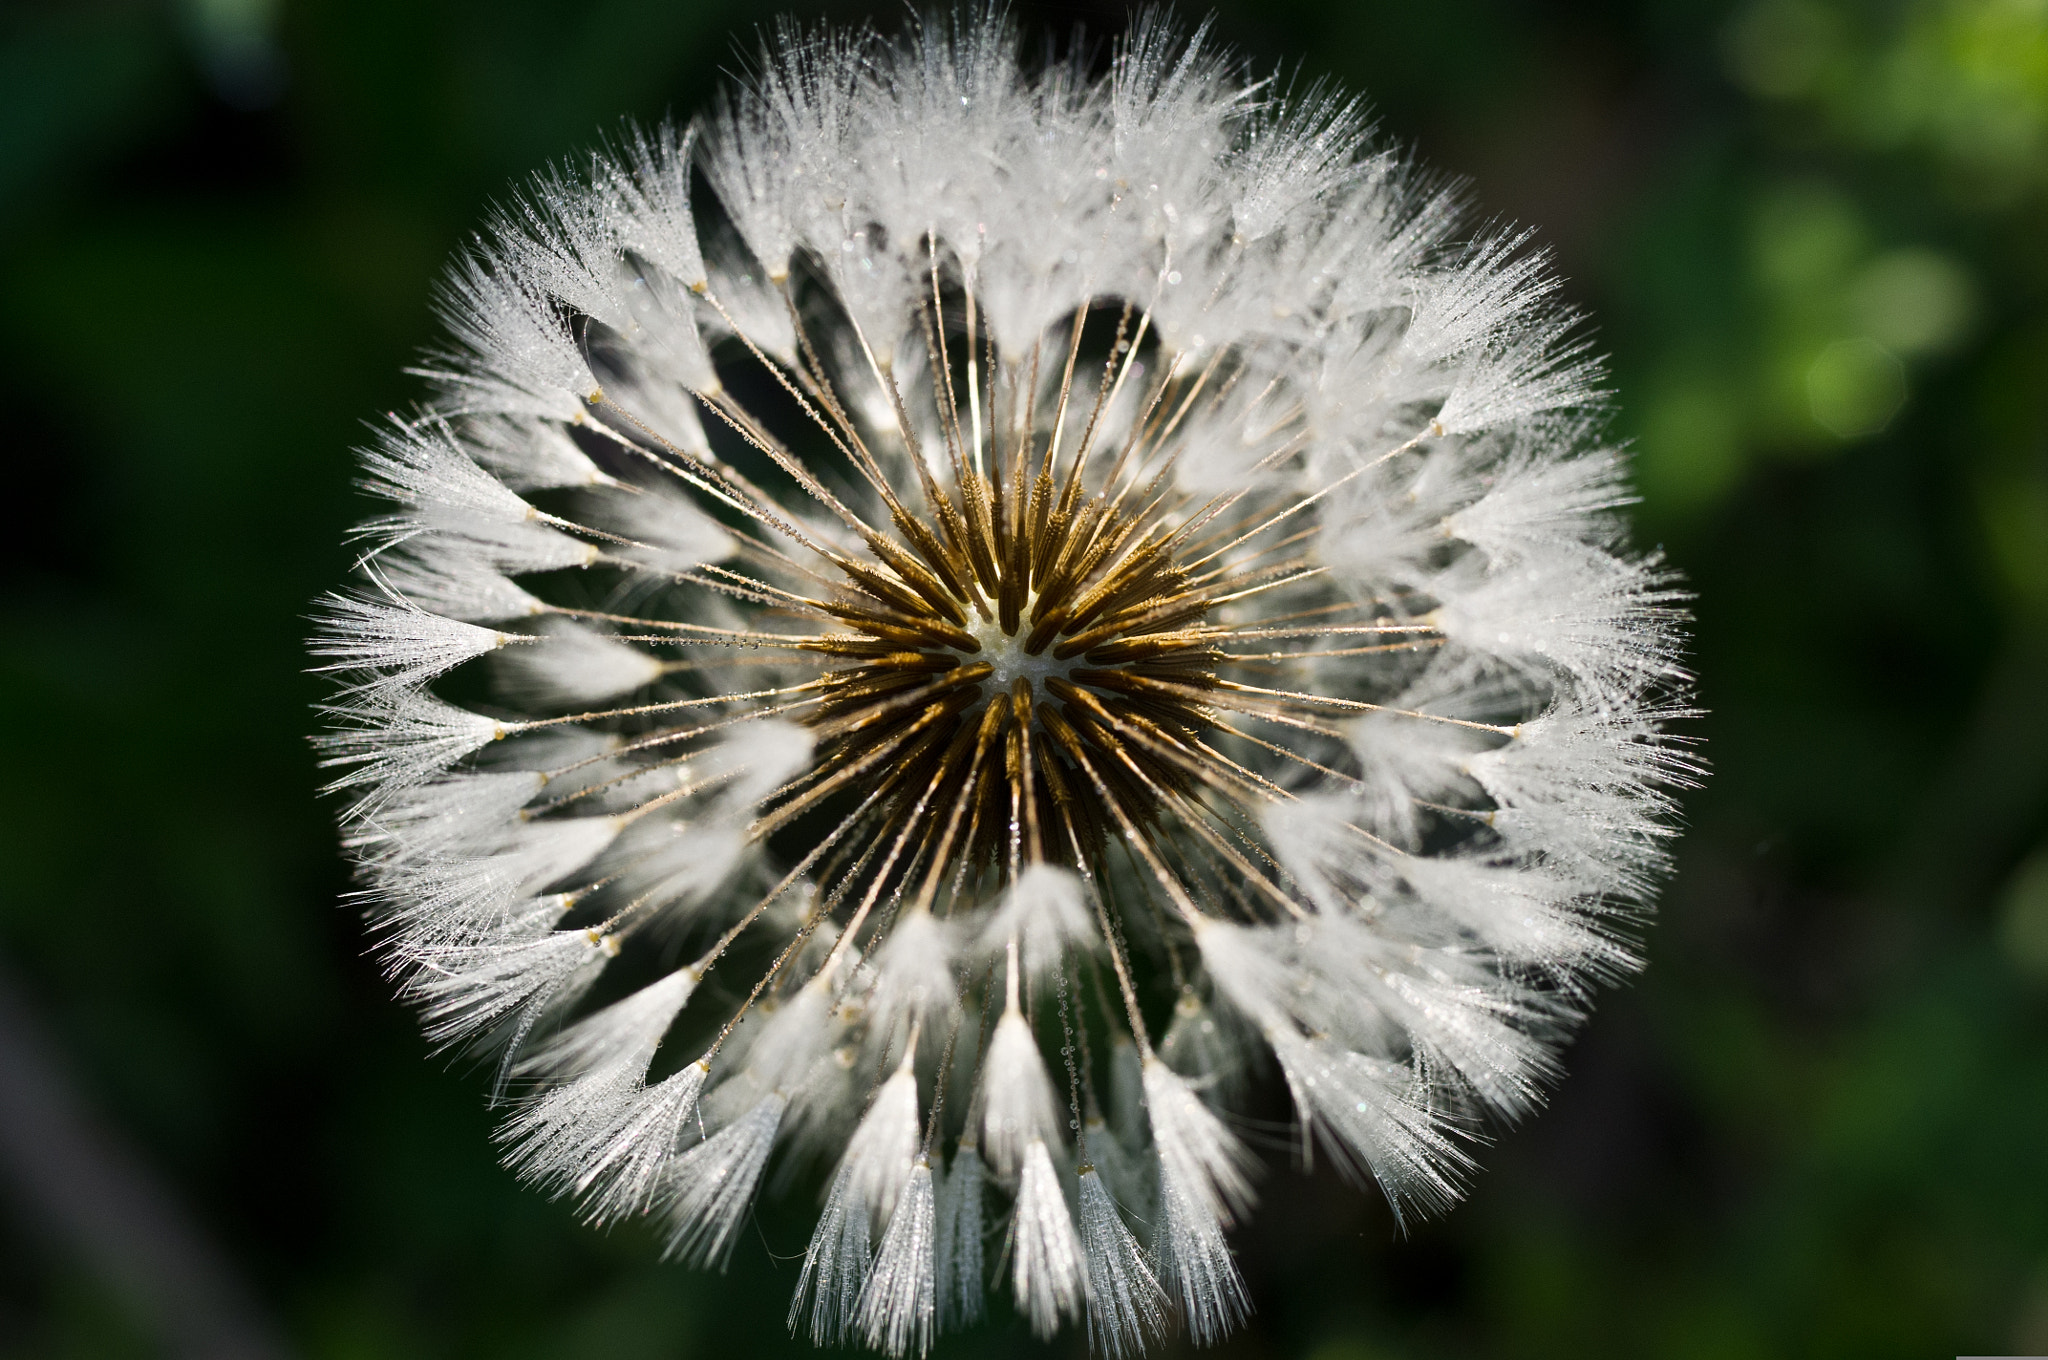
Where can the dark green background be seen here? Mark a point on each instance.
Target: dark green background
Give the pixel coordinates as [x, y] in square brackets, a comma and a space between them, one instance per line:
[1814, 234]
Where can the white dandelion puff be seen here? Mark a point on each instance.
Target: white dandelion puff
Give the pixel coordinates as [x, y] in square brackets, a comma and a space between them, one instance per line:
[1196, 1152]
[466, 989]
[1195, 1262]
[914, 973]
[386, 744]
[1365, 1109]
[513, 354]
[1203, 1186]
[979, 557]
[670, 533]
[651, 196]
[456, 815]
[532, 455]
[1537, 504]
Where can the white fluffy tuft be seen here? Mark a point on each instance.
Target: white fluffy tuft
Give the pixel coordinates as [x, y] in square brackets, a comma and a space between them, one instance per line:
[1047, 1275]
[705, 1192]
[1018, 1106]
[1126, 1307]
[1046, 912]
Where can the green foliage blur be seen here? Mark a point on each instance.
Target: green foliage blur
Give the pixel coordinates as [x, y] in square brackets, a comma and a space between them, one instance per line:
[1814, 236]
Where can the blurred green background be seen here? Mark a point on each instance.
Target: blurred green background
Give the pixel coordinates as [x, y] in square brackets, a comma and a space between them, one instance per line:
[1814, 234]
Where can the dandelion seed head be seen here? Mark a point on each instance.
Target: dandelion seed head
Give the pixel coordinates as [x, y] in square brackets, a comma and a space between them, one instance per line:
[943, 613]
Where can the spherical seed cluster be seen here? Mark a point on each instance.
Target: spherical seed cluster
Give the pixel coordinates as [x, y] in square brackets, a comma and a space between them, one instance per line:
[1146, 601]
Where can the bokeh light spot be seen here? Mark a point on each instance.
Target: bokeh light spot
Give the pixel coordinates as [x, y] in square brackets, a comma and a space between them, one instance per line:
[1855, 387]
[2023, 918]
[1914, 302]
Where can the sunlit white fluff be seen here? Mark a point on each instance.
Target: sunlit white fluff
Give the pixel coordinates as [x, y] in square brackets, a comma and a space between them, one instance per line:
[1122, 1159]
[705, 1191]
[467, 884]
[457, 814]
[1048, 1276]
[915, 973]
[533, 455]
[596, 1068]
[670, 533]
[395, 645]
[1368, 1112]
[951, 558]
[1018, 1106]
[467, 988]
[620, 1170]
[1195, 1262]
[440, 490]
[511, 355]
[571, 666]
[1202, 1187]
[1126, 1307]
[386, 745]
[879, 1162]
[1581, 612]
[454, 579]
[1337, 978]
[899, 1304]
[1046, 913]
[1535, 505]
[1196, 1152]
[785, 1043]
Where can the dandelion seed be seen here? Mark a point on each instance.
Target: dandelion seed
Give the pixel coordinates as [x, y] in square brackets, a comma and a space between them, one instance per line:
[1125, 1303]
[899, 1305]
[957, 1250]
[865, 1192]
[1176, 572]
[1047, 1271]
[707, 1190]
